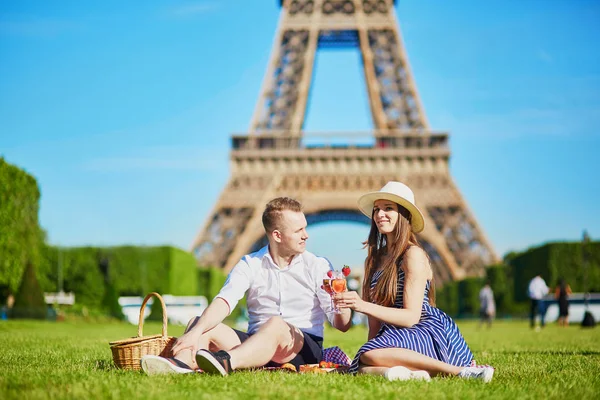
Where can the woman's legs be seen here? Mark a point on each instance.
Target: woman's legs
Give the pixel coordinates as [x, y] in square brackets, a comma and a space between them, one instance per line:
[410, 359]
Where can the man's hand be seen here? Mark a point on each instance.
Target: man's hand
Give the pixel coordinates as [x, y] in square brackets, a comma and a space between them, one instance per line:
[211, 317]
[349, 300]
[187, 341]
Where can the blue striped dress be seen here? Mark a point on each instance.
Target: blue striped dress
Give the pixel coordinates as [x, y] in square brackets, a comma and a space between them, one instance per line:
[435, 335]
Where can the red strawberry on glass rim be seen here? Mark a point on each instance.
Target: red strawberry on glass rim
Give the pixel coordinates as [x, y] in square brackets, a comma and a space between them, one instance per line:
[346, 270]
[330, 273]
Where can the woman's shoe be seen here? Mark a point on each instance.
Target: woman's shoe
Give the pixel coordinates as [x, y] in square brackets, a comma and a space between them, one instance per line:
[400, 373]
[420, 375]
[484, 373]
[397, 373]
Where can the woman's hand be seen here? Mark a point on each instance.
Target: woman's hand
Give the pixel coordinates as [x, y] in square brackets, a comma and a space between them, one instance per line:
[349, 300]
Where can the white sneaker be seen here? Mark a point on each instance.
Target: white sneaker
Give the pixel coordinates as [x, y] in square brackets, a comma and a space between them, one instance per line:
[420, 375]
[156, 365]
[483, 373]
[400, 373]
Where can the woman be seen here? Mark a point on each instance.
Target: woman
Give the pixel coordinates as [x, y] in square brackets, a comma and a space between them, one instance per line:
[562, 292]
[407, 334]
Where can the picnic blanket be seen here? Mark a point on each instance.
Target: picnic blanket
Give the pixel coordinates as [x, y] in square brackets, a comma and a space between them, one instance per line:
[337, 356]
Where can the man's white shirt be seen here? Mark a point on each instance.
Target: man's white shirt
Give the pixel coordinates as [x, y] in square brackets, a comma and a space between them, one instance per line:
[537, 288]
[293, 293]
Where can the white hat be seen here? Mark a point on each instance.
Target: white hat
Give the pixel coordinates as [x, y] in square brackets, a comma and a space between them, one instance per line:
[398, 193]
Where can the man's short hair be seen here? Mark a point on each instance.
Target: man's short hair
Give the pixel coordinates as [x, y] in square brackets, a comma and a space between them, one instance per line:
[272, 214]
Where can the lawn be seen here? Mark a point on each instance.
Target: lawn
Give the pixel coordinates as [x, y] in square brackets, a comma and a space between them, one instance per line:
[41, 360]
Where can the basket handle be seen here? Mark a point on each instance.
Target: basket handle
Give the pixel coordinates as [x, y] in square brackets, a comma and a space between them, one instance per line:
[143, 308]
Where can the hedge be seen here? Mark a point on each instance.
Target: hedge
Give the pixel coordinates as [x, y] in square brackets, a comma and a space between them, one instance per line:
[183, 273]
[461, 298]
[501, 282]
[20, 233]
[447, 298]
[468, 299]
[509, 281]
[554, 261]
[131, 271]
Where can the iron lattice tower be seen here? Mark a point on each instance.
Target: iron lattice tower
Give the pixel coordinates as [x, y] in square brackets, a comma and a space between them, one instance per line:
[275, 159]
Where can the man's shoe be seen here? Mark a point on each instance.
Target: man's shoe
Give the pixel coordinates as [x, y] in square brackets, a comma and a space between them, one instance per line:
[214, 363]
[155, 365]
[482, 373]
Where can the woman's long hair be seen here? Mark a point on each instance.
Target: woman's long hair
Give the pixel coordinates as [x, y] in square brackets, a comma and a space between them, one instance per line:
[385, 290]
[563, 284]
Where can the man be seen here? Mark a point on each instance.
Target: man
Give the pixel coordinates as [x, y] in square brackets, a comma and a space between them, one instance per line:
[286, 306]
[487, 308]
[536, 291]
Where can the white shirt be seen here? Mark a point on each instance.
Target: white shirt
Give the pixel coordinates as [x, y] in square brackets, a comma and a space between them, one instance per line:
[537, 288]
[486, 298]
[293, 293]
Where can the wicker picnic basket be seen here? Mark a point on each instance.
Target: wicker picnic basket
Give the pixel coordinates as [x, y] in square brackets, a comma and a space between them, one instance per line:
[127, 353]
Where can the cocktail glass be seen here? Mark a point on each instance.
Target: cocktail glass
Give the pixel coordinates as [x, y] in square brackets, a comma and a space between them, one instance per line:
[338, 285]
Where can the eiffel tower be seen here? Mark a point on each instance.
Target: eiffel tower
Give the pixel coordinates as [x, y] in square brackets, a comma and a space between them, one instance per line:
[276, 158]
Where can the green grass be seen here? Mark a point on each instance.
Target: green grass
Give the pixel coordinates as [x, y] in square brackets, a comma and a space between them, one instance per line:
[41, 360]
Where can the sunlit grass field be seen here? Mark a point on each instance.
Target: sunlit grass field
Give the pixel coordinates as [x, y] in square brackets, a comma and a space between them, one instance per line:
[72, 360]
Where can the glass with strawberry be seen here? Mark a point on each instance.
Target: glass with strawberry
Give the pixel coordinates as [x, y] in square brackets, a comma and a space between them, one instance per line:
[338, 284]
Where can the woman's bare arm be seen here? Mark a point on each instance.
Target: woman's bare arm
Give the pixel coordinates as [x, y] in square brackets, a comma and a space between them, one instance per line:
[417, 272]
[374, 326]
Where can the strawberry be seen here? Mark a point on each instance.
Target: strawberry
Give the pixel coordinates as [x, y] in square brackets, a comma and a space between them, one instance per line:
[346, 270]
[330, 273]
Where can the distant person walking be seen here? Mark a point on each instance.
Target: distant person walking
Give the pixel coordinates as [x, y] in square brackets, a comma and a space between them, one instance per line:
[562, 293]
[487, 305]
[536, 291]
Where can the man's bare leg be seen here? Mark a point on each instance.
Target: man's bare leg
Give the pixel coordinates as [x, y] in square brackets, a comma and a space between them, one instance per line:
[276, 340]
[221, 337]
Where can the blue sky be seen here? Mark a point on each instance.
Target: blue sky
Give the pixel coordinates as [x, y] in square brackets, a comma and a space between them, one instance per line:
[123, 111]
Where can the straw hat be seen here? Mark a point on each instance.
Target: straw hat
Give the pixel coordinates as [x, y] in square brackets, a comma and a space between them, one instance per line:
[398, 193]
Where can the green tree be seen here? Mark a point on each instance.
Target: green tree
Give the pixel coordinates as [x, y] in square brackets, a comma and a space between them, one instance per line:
[20, 233]
[29, 301]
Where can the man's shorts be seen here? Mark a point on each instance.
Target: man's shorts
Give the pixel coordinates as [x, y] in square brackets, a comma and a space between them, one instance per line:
[311, 352]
